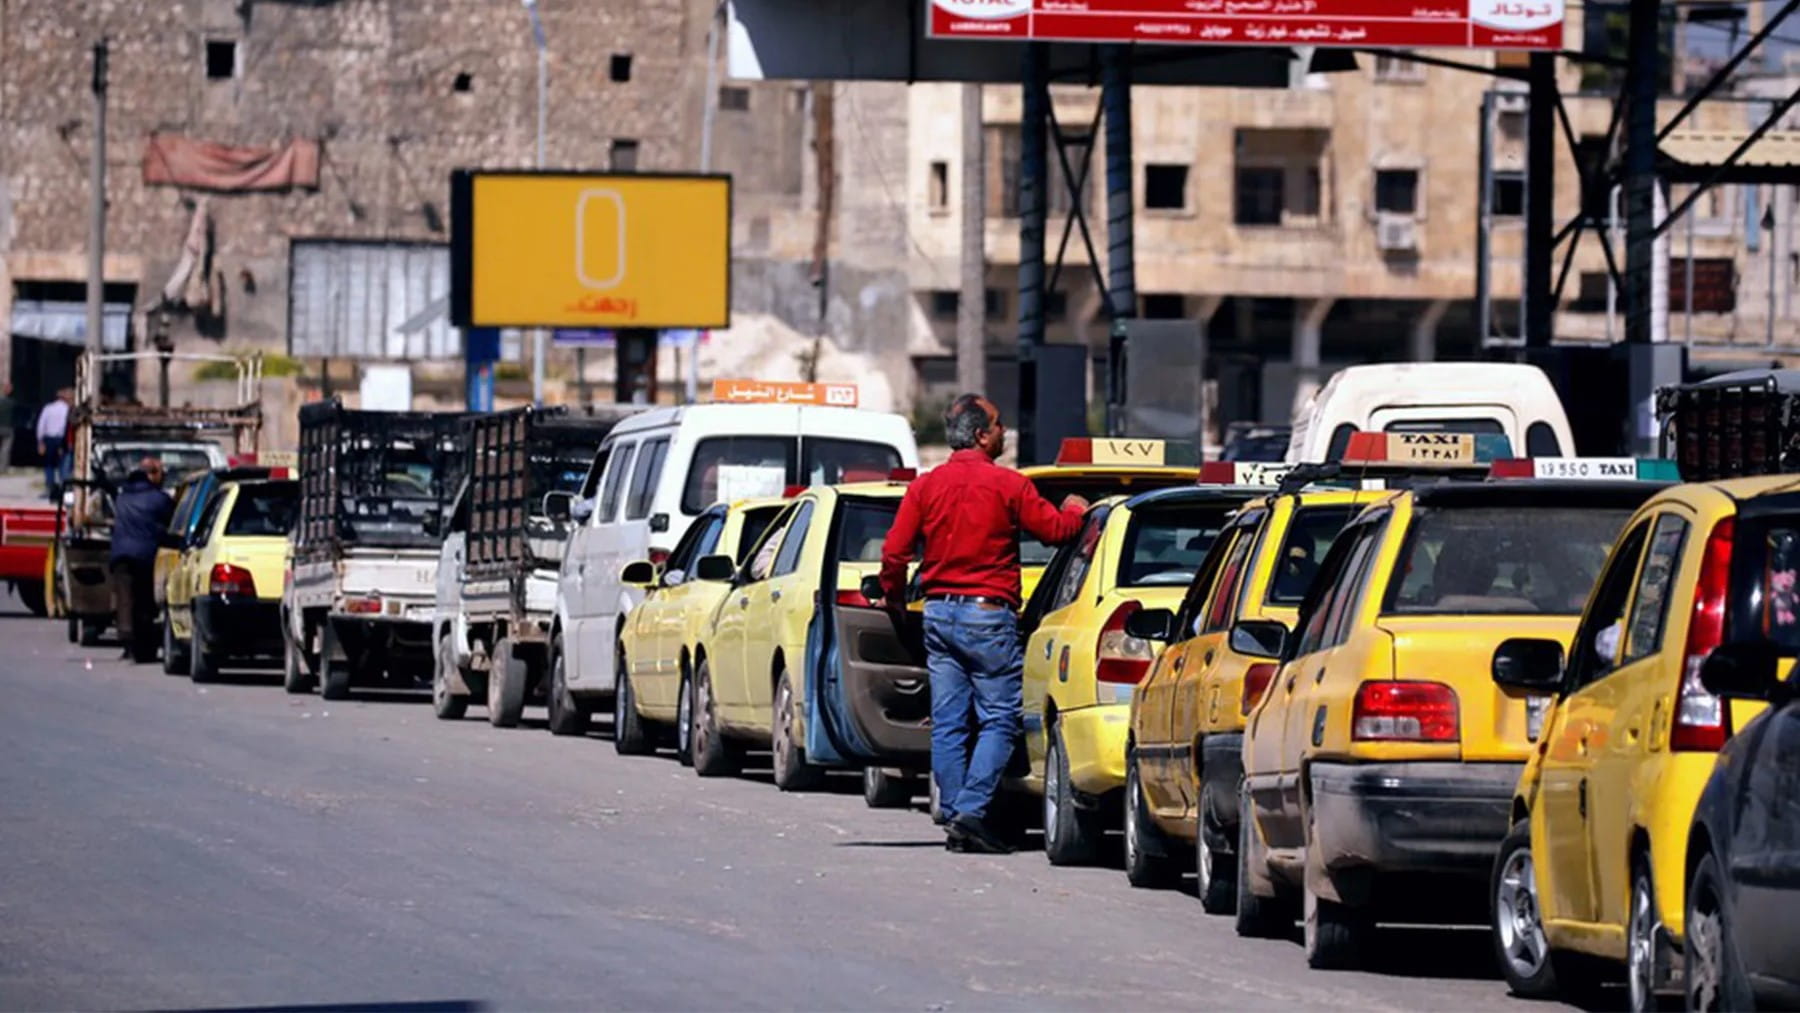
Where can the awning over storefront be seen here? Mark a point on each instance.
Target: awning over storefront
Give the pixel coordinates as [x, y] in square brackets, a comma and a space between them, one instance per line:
[1694, 156]
[66, 322]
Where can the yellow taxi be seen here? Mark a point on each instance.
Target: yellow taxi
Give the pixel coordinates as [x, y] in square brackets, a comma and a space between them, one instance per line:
[1599, 851]
[659, 636]
[1095, 469]
[1082, 667]
[753, 670]
[224, 594]
[1380, 764]
[1183, 759]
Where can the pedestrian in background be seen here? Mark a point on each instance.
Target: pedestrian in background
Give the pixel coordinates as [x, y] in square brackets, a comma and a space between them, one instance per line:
[9, 409]
[52, 441]
[969, 513]
[141, 512]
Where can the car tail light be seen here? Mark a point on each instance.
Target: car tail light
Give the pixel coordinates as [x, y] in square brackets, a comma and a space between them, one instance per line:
[1698, 724]
[849, 596]
[1121, 657]
[362, 606]
[228, 579]
[1256, 682]
[1402, 711]
[659, 556]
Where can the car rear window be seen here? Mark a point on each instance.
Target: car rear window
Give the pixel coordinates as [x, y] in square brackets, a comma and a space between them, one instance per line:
[264, 508]
[1165, 543]
[1485, 560]
[1309, 534]
[863, 527]
[832, 461]
[1479, 427]
[1092, 488]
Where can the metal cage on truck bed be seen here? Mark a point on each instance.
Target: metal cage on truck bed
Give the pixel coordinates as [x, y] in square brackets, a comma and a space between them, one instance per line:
[1733, 425]
[515, 459]
[371, 478]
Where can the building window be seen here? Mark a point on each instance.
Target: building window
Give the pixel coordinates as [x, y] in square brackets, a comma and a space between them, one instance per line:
[623, 156]
[1280, 176]
[993, 304]
[463, 83]
[944, 302]
[940, 186]
[734, 98]
[1398, 66]
[221, 59]
[1259, 196]
[1397, 191]
[618, 69]
[1509, 194]
[1164, 306]
[1165, 187]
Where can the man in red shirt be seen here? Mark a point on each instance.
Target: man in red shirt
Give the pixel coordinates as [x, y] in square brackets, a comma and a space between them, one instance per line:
[968, 513]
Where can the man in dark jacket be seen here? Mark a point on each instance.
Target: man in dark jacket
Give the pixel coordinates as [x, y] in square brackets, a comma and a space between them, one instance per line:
[141, 512]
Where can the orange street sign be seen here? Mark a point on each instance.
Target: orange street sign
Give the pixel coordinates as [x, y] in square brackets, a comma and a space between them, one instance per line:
[833, 395]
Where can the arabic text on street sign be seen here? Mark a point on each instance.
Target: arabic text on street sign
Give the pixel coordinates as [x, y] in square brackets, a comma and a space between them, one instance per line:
[832, 395]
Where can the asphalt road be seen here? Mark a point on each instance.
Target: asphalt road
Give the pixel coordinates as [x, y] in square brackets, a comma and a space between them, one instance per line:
[168, 845]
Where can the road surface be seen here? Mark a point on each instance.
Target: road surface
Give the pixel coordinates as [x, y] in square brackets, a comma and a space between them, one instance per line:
[169, 845]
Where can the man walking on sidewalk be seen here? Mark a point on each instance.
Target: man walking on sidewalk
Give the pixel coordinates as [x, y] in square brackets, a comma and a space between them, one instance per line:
[52, 441]
[969, 513]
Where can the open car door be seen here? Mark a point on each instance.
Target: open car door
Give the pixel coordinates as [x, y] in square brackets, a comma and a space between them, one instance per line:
[867, 691]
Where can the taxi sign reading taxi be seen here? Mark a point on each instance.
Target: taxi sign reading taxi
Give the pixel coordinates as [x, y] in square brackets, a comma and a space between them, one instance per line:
[582, 250]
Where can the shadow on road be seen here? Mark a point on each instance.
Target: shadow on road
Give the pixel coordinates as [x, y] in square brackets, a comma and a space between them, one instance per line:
[406, 696]
[937, 844]
[428, 1006]
[1433, 952]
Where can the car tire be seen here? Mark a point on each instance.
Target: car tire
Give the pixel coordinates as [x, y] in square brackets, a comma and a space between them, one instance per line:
[174, 658]
[1071, 833]
[1713, 972]
[884, 789]
[567, 716]
[631, 734]
[1216, 881]
[295, 679]
[203, 665]
[74, 630]
[1148, 863]
[334, 672]
[90, 631]
[1335, 934]
[1521, 947]
[31, 595]
[714, 754]
[446, 704]
[1258, 917]
[1642, 932]
[505, 685]
[684, 720]
[792, 771]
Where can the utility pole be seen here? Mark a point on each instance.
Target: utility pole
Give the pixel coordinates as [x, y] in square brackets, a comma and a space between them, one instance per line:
[96, 279]
[971, 307]
[538, 335]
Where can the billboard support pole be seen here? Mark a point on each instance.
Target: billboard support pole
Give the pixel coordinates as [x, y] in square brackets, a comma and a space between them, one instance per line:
[1121, 269]
[1034, 121]
[1540, 200]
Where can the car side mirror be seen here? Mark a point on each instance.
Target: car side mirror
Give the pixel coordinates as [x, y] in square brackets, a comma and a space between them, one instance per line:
[1259, 638]
[1742, 671]
[639, 574]
[871, 588]
[1151, 624]
[1529, 664]
[559, 506]
[715, 568]
[580, 510]
[659, 522]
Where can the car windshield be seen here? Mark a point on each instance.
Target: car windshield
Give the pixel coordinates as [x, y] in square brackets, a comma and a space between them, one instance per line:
[115, 463]
[864, 526]
[1309, 534]
[1515, 560]
[1092, 488]
[264, 508]
[1167, 541]
[728, 468]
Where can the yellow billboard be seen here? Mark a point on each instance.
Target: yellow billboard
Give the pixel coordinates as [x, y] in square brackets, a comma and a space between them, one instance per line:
[559, 249]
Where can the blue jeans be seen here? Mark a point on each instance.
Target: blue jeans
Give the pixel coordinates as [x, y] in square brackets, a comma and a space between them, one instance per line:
[977, 666]
[53, 465]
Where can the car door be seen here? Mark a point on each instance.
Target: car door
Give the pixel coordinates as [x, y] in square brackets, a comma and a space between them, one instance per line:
[195, 568]
[1197, 697]
[600, 578]
[1561, 833]
[452, 557]
[578, 560]
[726, 647]
[776, 606]
[1765, 848]
[1049, 648]
[656, 621]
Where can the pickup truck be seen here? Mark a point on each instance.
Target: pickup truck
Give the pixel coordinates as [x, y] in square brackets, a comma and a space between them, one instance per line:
[358, 601]
[497, 569]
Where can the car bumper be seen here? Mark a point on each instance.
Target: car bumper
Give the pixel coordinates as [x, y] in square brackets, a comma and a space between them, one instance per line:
[1095, 739]
[1221, 774]
[1411, 817]
[238, 627]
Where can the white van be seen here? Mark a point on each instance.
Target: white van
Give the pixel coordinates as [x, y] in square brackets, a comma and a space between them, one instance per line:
[659, 470]
[1510, 399]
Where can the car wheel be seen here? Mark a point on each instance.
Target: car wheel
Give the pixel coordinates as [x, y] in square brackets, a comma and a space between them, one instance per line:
[630, 736]
[505, 685]
[294, 677]
[203, 665]
[31, 595]
[1147, 860]
[1642, 932]
[885, 789]
[1071, 833]
[714, 755]
[90, 632]
[1335, 934]
[1520, 945]
[792, 772]
[1258, 917]
[684, 721]
[447, 705]
[74, 630]
[566, 715]
[334, 672]
[1216, 871]
[1714, 976]
[174, 661]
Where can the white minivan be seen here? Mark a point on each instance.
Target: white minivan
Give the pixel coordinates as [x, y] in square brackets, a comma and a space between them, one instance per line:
[659, 470]
[1505, 398]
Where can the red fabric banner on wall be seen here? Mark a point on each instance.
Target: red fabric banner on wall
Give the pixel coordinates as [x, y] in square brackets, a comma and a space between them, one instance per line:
[173, 160]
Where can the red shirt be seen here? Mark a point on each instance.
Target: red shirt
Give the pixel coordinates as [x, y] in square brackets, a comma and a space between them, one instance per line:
[970, 512]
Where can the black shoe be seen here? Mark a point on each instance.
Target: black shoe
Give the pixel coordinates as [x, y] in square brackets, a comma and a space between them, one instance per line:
[128, 655]
[978, 838]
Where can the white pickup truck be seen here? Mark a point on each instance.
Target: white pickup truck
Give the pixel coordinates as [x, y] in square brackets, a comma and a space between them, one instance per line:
[359, 598]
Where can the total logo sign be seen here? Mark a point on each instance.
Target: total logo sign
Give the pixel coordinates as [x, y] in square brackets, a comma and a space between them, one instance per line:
[1516, 15]
[981, 18]
[983, 10]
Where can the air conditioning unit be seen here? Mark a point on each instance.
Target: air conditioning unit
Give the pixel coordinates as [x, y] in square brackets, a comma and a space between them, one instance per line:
[1396, 233]
[1511, 102]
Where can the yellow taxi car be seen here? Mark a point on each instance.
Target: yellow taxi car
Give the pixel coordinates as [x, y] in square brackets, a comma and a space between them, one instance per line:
[1380, 764]
[1095, 469]
[1600, 848]
[191, 494]
[1183, 758]
[659, 636]
[224, 594]
[759, 656]
[1082, 667]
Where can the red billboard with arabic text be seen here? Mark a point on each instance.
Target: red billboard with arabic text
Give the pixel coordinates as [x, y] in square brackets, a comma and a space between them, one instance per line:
[1374, 24]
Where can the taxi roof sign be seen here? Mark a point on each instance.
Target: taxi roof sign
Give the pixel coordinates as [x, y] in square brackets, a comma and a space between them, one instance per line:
[1128, 453]
[1589, 469]
[1256, 473]
[1426, 450]
[831, 395]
